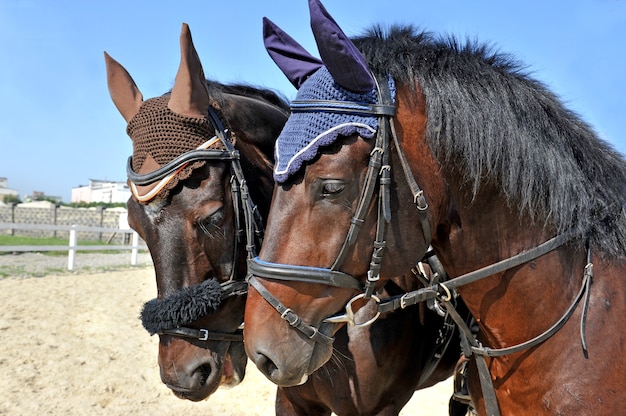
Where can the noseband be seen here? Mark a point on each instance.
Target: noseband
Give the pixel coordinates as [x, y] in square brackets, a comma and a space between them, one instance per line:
[164, 316]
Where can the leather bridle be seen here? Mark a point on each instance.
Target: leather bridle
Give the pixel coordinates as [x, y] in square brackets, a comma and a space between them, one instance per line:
[251, 226]
[378, 175]
[442, 293]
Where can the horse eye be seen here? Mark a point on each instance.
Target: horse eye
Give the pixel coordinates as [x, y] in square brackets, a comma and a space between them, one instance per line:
[212, 221]
[332, 187]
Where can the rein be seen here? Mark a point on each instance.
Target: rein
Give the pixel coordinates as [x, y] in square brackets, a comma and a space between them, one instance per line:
[253, 231]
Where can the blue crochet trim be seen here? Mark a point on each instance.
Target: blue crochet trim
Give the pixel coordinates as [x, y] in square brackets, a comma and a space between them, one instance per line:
[306, 132]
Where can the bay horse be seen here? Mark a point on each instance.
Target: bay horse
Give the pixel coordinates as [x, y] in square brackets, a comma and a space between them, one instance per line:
[520, 199]
[192, 203]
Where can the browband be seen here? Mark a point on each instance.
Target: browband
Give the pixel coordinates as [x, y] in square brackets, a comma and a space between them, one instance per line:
[334, 106]
[191, 156]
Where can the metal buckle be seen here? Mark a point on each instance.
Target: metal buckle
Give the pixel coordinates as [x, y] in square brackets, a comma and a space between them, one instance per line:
[420, 201]
[403, 299]
[370, 278]
[350, 315]
[295, 320]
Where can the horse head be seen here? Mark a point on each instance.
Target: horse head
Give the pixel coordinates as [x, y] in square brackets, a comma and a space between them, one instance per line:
[521, 201]
[325, 214]
[195, 151]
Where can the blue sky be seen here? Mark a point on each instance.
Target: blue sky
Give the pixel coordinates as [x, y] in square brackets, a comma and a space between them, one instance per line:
[59, 128]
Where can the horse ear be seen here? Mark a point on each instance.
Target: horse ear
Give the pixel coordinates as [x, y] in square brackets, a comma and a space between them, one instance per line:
[190, 95]
[342, 58]
[124, 92]
[295, 62]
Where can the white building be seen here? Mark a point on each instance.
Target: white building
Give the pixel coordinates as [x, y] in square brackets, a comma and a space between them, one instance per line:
[5, 191]
[101, 191]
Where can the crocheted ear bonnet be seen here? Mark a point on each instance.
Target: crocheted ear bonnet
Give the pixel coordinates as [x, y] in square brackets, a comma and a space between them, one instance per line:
[160, 135]
[341, 77]
[306, 132]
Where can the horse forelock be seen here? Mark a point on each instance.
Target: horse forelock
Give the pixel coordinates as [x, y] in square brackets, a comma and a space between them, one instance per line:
[494, 122]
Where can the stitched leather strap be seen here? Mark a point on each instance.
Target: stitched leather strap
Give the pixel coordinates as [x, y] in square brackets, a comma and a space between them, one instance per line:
[288, 315]
[202, 334]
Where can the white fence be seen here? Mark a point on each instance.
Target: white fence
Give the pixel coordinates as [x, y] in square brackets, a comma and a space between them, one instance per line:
[72, 247]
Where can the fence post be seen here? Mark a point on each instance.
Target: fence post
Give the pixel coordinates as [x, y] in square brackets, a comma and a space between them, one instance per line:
[71, 253]
[134, 251]
[13, 205]
[55, 213]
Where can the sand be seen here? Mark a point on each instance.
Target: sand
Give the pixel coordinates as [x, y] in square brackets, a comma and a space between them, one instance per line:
[72, 344]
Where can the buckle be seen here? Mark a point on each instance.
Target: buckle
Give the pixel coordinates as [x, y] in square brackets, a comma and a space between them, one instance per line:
[285, 314]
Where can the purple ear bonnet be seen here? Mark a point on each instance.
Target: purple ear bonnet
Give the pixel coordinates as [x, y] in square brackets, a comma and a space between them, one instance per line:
[305, 132]
[343, 78]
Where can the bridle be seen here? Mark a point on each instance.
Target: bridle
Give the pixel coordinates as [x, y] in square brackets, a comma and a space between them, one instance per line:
[251, 226]
[378, 175]
[442, 293]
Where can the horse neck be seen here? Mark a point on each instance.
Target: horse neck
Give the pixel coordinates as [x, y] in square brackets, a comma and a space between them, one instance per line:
[518, 304]
[471, 231]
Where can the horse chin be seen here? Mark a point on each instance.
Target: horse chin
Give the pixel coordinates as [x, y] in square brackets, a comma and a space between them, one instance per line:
[207, 375]
[234, 366]
[293, 368]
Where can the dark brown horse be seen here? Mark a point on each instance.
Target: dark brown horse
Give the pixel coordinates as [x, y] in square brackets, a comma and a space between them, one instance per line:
[487, 166]
[191, 205]
[200, 234]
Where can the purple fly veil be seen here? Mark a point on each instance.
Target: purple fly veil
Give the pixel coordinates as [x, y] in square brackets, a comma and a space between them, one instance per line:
[341, 76]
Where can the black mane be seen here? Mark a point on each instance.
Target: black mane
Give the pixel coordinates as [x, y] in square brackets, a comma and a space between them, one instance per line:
[249, 91]
[489, 118]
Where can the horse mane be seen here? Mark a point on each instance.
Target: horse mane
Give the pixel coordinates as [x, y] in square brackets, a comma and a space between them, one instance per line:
[256, 155]
[490, 121]
[245, 90]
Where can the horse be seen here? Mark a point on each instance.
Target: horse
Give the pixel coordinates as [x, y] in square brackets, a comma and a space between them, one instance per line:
[193, 182]
[520, 199]
[194, 205]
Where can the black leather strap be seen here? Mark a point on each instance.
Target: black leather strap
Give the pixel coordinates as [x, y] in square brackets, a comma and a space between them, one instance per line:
[202, 334]
[288, 315]
[191, 156]
[307, 274]
[349, 107]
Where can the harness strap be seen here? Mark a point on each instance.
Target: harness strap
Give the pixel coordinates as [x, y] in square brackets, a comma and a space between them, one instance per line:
[351, 107]
[418, 194]
[234, 288]
[498, 352]
[471, 345]
[185, 158]
[288, 315]
[384, 205]
[588, 279]
[252, 217]
[364, 201]
[202, 334]
[420, 295]
[511, 262]
[484, 375]
[278, 271]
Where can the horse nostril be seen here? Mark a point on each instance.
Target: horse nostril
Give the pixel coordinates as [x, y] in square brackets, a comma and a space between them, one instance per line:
[266, 365]
[204, 371]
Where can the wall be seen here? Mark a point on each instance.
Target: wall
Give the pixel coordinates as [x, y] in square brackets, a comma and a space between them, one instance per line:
[51, 214]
